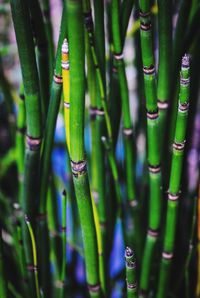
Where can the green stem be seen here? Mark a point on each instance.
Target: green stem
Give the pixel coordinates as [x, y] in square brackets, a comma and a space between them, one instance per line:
[175, 179]
[78, 162]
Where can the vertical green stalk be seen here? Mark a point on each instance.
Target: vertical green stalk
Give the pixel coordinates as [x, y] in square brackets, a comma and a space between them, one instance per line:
[77, 154]
[97, 119]
[49, 34]
[34, 266]
[23, 31]
[153, 153]
[131, 280]
[41, 54]
[175, 179]
[164, 64]
[127, 125]
[20, 141]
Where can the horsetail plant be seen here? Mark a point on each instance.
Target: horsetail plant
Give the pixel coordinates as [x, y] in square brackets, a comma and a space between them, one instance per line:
[175, 178]
[131, 273]
[152, 143]
[117, 142]
[77, 154]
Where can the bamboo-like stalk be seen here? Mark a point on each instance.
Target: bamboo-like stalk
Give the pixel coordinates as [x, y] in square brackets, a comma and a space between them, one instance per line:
[78, 162]
[153, 152]
[175, 179]
[45, 4]
[97, 117]
[22, 26]
[127, 125]
[131, 280]
[66, 91]
[20, 141]
[164, 65]
[62, 281]
[34, 251]
[41, 44]
[56, 89]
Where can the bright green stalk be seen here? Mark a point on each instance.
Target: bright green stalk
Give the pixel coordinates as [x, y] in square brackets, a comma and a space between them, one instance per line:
[131, 280]
[77, 154]
[164, 66]
[3, 290]
[97, 157]
[152, 142]
[23, 31]
[42, 54]
[179, 34]
[175, 179]
[97, 121]
[127, 125]
[34, 266]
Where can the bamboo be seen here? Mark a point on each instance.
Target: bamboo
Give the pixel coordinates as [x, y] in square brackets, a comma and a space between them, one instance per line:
[3, 287]
[78, 162]
[131, 273]
[175, 179]
[153, 153]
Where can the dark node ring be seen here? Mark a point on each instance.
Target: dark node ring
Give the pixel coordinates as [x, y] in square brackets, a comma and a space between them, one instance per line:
[144, 14]
[41, 216]
[33, 143]
[57, 79]
[179, 146]
[129, 253]
[173, 197]
[149, 70]
[143, 293]
[94, 288]
[66, 105]
[114, 69]
[163, 105]
[152, 233]
[21, 130]
[78, 168]
[22, 96]
[185, 82]
[130, 264]
[185, 61]
[46, 14]
[103, 224]
[32, 268]
[95, 111]
[152, 115]
[63, 229]
[65, 65]
[183, 107]
[127, 131]
[88, 20]
[131, 286]
[118, 56]
[145, 27]
[167, 255]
